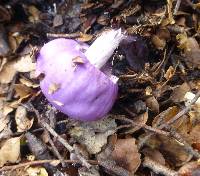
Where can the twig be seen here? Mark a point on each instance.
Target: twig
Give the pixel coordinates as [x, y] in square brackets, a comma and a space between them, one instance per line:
[158, 168]
[32, 163]
[186, 146]
[55, 150]
[181, 113]
[178, 3]
[142, 125]
[172, 120]
[73, 35]
[59, 138]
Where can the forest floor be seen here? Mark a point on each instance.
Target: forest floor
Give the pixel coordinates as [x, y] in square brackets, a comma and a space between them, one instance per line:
[154, 125]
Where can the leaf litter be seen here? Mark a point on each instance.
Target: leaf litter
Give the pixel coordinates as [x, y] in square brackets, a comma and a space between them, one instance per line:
[158, 74]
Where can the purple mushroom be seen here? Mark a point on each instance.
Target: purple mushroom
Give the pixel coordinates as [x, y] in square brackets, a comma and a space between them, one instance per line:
[73, 80]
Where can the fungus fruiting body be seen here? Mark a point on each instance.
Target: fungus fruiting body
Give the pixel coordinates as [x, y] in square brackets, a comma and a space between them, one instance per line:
[73, 80]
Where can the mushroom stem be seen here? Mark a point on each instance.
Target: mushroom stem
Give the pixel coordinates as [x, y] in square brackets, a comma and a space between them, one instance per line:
[103, 47]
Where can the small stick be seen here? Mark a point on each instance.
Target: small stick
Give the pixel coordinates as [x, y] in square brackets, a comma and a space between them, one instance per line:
[178, 3]
[172, 120]
[181, 113]
[59, 138]
[186, 145]
[141, 125]
[55, 150]
[73, 35]
[32, 163]
[158, 168]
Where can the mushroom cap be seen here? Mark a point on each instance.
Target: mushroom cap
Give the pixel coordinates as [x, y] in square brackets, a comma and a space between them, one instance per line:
[71, 83]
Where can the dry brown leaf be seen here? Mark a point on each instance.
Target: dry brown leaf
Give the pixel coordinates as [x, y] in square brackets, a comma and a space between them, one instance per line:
[58, 20]
[83, 171]
[182, 39]
[126, 154]
[7, 73]
[158, 42]
[35, 13]
[194, 136]
[3, 61]
[25, 64]
[169, 10]
[169, 73]
[191, 49]
[10, 151]
[142, 119]
[165, 116]
[190, 169]
[5, 109]
[22, 90]
[85, 37]
[179, 93]
[28, 83]
[22, 122]
[53, 88]
[154, 155]
[94, 134]
[194, 112]
[36, 171]
[81, 150]
[170, 147]
[153, 104]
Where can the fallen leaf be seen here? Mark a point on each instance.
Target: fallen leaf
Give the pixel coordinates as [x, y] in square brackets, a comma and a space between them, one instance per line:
[25, 64]
[36, 171]
[169, 10]
[81, 150]
[191, 49]
[22, 90]
[165, 116]
[53, 88]
[58, 20]
[83, 171]
[3, 61]
[94, 134]
[7, 73]
[190, 169]
[10, 151]
[126, 154]
[179, 93]
[169, 73]
[85, 37]
[154, 155]
[142, 119]
[5, 109]
[22, 122]
[189, 96]
[170, 147]
[158, 42]
[28, 83]
[153, 104]
[35, 13]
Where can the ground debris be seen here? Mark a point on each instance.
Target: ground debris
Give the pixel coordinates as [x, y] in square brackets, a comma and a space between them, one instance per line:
[154, 126]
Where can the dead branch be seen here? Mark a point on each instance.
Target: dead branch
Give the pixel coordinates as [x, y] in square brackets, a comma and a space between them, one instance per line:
[38, 162]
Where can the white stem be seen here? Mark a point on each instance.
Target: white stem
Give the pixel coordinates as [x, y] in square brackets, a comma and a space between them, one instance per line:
[103, 47]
